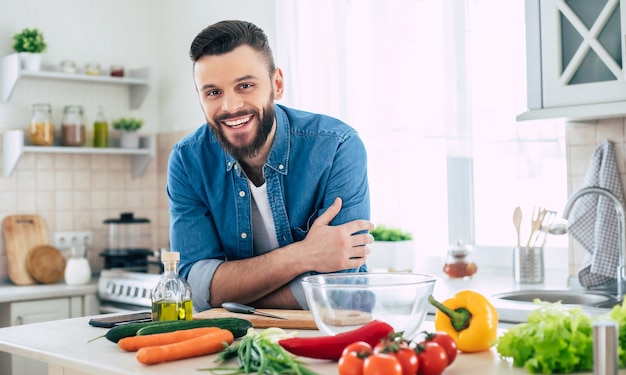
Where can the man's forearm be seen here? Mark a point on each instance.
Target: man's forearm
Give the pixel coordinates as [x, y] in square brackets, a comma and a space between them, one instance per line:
[262, 279]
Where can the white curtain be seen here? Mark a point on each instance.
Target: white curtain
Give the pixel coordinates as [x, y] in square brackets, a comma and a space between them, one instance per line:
[422, 81]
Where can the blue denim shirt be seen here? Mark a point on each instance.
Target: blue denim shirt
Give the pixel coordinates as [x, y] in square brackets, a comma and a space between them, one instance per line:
[314, 159]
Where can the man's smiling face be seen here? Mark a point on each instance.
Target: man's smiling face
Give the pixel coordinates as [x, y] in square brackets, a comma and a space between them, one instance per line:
[237, 94]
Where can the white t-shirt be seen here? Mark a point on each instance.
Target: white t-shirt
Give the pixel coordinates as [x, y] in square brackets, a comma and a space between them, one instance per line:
[263, 229]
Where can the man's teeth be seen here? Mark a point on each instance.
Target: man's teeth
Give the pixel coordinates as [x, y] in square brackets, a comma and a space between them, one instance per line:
[237, 122]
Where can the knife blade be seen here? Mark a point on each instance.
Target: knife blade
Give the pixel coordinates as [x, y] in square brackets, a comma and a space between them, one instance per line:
[245, 309]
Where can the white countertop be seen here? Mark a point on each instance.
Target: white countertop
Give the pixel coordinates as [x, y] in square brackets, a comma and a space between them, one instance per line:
[63, 344]
[10, 292]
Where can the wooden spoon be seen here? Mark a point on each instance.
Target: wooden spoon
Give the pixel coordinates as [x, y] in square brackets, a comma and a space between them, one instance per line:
[517, 222]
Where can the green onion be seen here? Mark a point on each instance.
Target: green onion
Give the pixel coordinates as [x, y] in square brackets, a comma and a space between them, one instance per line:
[260, 353]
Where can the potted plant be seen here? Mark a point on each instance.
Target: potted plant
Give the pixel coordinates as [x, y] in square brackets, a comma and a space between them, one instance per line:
[392, 249]
[29, 44]
[128, 127]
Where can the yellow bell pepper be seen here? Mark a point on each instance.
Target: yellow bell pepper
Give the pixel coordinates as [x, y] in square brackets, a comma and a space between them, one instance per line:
[469, 318]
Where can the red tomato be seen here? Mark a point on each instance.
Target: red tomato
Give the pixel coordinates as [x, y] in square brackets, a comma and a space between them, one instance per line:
[408, 361]
[432, 358]
[381, 364]
[350, 363]
[446, 342]
[361, 347]
[403, 353]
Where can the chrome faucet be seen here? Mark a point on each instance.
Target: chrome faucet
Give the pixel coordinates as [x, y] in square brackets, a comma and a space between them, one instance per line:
[619, 210]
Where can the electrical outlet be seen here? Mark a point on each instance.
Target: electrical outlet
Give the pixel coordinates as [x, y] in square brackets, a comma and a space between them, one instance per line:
[69, 239]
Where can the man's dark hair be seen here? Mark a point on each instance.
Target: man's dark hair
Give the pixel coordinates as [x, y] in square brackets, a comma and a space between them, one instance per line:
[224, 36]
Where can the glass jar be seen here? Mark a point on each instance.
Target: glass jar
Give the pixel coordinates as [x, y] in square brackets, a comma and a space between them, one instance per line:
[117, 71]
[171, 296]
[92, 69]
[73, 126]
[41, 131]
[100, 130]
[460, 261]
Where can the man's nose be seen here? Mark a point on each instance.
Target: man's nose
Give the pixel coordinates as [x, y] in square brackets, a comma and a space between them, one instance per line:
[231, 103]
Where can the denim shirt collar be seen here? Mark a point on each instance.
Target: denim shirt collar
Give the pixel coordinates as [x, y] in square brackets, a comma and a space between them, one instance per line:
[278, 159]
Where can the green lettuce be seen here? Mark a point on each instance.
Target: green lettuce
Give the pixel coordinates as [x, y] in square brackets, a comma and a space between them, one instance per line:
[555, 339]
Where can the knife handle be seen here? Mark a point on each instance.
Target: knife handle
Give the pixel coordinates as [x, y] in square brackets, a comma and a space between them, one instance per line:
[238, 308]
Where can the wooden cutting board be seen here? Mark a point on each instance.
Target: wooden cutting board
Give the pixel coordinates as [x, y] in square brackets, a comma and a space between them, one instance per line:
[296, 319]
[21, 234]
[46, 264]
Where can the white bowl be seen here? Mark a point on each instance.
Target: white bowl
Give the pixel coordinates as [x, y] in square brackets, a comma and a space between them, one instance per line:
[342, 302]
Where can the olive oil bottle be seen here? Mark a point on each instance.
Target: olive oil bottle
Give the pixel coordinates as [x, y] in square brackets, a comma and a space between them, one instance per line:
[100, 130]
[171, 296]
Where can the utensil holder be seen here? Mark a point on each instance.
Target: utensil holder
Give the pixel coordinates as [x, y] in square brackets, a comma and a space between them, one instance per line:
[528, 265]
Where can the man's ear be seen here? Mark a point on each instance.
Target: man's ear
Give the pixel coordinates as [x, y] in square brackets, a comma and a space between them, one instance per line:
[278, 83]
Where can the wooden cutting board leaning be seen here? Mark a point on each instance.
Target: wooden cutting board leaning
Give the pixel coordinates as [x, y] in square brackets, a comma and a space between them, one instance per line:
[22, 233]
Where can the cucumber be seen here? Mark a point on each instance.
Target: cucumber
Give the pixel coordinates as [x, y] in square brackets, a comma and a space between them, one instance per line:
[238, 327]
[117, 333]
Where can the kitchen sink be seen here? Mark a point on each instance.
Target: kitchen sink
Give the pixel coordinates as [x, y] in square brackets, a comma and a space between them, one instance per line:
[565, 296]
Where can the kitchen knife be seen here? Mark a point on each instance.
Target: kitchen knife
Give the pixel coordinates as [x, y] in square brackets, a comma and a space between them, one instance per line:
[245, 309]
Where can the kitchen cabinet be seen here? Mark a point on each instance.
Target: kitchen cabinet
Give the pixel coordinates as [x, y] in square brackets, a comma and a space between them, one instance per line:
[137, 80]
[37, 311]
[576, 59]
[14, 146]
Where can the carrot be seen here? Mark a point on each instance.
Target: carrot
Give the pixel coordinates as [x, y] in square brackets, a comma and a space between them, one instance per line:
[134, 343]
[207, 344]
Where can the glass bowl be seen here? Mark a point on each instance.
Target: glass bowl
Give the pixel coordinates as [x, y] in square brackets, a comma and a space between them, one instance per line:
[342, 302]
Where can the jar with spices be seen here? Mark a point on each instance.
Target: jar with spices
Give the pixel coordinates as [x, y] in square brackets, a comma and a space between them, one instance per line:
[100, 130]
[117, 71]
[92, 69]
[460, 261]
[73, 126]
[41, 131]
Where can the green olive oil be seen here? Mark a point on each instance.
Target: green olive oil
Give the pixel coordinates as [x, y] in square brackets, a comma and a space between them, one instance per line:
[171, 296]
[171, 310]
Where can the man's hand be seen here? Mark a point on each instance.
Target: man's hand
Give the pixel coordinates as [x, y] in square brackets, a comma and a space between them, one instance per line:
[332, 248]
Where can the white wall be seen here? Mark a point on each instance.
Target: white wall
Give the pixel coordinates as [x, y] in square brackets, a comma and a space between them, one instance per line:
[138, 33]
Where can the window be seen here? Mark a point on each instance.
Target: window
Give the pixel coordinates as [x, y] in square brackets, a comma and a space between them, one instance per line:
[433, 87]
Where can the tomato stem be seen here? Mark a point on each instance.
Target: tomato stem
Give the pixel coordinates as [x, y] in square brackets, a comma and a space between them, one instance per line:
[459, 318]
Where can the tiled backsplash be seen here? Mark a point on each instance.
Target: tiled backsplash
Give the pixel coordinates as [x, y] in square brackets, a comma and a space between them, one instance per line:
[582, 140]
[77, 192]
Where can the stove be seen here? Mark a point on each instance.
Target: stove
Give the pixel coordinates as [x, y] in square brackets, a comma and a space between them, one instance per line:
[120, 290]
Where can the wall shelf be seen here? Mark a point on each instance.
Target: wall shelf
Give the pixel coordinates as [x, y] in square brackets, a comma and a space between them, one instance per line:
[138, 80]
[14, 146]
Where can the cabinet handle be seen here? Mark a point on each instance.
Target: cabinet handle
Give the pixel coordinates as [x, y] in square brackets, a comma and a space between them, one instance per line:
[19, 321]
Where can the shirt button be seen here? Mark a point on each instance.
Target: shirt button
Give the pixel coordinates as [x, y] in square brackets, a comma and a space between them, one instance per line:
[281, 167]
[244, 235]
[236, 166]
[242, 193]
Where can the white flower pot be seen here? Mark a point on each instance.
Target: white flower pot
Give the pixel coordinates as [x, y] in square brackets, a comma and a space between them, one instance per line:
[129, 139]
[392, 256]
[30, 61]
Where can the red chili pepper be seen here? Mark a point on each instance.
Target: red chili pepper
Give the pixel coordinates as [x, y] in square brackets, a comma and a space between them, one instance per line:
[331, 347]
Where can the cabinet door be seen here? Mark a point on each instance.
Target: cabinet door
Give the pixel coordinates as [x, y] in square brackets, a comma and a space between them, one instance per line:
[35, 312]
[582, 51]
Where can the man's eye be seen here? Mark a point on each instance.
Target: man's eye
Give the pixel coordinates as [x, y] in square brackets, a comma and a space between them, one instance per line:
[246, 85]
[212, 93]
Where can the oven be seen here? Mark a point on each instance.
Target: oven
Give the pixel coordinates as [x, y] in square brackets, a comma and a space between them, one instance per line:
[120, 290]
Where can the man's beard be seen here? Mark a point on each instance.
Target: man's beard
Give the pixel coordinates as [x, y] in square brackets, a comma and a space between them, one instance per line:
[260, 137]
